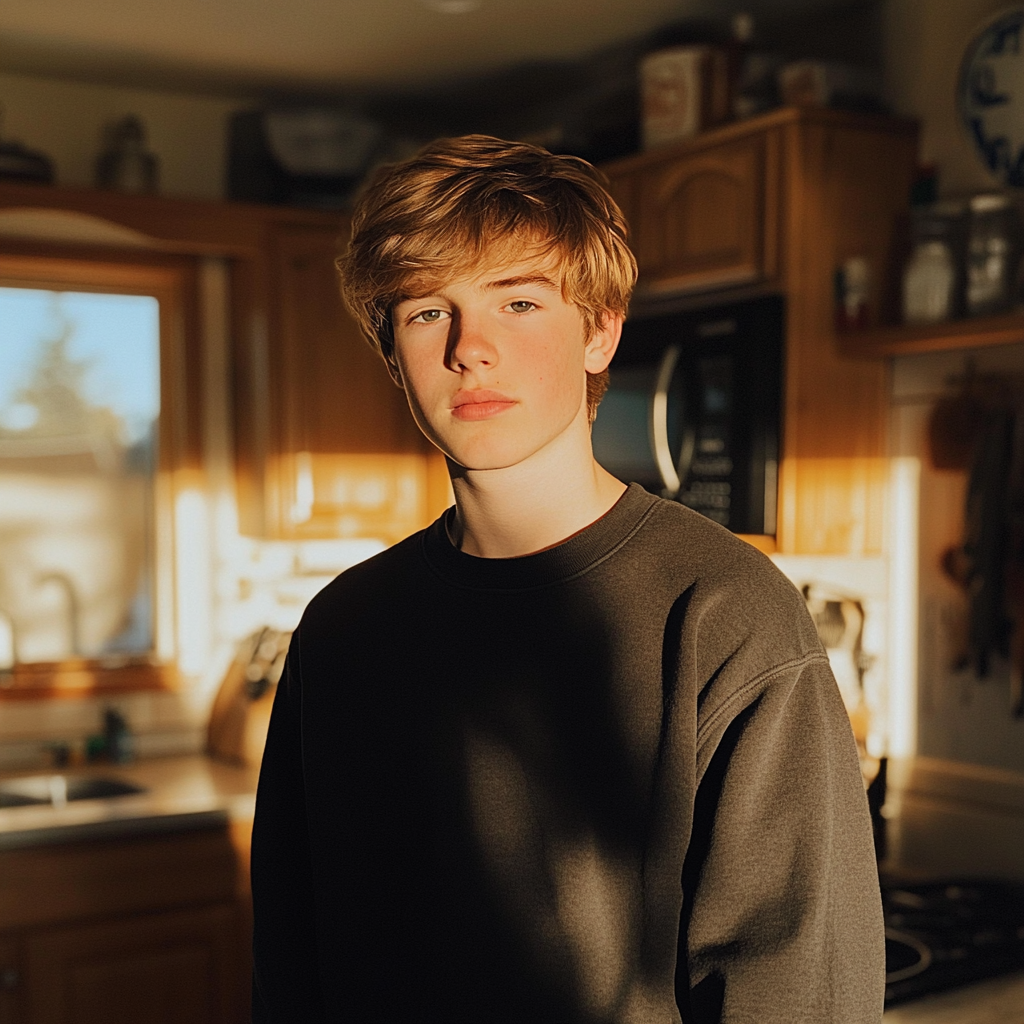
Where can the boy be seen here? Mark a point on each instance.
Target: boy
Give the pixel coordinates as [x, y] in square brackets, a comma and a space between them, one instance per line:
[574, 752]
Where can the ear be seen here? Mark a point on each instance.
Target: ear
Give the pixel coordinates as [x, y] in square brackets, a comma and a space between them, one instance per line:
[603, 343]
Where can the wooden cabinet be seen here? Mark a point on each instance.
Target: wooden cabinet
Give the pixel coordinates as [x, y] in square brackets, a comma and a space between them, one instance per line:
[707, 218]
[11, 982]
[776, 205]
[160, 968]
[150, 929]
[345, 457]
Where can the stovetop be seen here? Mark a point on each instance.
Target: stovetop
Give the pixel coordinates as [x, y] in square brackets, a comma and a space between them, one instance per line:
[942, 935]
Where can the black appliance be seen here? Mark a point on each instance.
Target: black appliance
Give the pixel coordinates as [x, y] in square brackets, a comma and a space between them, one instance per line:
[693, 410]
[20, 164]
[299, 156]
[946, 934]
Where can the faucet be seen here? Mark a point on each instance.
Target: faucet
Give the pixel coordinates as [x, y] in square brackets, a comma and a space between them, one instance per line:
[5, 614]
[73, 608]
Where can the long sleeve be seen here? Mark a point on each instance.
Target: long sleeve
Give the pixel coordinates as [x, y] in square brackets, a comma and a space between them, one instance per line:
[286, 982]
[782, 917]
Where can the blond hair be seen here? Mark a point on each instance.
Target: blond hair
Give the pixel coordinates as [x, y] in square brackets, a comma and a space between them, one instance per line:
[461, 201]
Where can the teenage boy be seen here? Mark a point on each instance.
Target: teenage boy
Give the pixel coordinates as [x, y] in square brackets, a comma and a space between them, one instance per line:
[574, 752]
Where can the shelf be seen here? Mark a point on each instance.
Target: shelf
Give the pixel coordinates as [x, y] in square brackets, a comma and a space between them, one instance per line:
[913, 339]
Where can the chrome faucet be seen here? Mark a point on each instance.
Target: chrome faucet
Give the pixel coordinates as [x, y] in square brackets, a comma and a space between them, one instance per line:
[74, 611]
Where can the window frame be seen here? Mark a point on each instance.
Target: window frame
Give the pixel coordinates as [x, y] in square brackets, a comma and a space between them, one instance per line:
[173, 281]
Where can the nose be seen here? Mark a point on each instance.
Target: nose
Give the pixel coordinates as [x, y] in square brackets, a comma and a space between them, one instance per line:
[468, 345]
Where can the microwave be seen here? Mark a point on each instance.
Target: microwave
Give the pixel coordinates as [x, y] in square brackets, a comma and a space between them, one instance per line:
[693, 410]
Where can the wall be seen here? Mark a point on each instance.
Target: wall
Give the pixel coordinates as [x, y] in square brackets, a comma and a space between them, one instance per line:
[65, 121]
[957, 808]
[960, 717]
[923, 42]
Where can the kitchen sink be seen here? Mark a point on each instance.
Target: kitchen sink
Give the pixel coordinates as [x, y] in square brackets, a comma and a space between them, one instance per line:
[59, 790]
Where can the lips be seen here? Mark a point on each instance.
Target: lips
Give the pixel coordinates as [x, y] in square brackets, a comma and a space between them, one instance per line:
[479, 404]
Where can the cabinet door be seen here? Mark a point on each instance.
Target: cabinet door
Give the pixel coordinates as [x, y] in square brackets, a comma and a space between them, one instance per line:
[11, 982]
[708, 218]
[174, 968]
[348, 458]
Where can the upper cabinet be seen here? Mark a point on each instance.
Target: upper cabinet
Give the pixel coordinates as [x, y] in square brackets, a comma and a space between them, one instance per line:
[705, 220]
[778, 204]
[344, 457]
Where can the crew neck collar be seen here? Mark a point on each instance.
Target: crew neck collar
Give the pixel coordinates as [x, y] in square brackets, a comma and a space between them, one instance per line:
[571, 558]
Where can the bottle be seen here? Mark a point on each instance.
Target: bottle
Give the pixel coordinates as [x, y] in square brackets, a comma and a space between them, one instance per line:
[754, 72]
[126, 165]
[852, 286]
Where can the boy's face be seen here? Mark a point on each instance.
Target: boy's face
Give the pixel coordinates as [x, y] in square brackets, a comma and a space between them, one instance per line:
[495, 364]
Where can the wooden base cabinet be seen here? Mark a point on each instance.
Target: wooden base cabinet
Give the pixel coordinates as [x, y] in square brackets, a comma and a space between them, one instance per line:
[11, 982]
[173, 968]
[779, 204]
[143, 931]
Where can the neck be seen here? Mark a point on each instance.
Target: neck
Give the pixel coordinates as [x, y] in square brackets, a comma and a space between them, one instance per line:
[536, 504]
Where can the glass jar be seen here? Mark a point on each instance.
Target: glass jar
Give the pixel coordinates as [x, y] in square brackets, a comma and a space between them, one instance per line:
[933, 278]
[991, 254]
[929, 283]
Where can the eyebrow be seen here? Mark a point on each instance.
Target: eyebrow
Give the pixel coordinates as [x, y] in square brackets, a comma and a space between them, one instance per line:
[519, 282]
[504, 282]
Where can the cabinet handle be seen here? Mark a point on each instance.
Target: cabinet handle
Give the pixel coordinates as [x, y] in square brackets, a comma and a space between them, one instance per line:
[8, 978]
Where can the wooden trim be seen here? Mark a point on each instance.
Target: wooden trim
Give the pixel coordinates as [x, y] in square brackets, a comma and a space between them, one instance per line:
[698, 283]
[913, 339]
[82, 677]
[186, 226]
[764, 542]
[76, 881]
[772, 241]
[782, 117]
[959, 781]
[30, 270]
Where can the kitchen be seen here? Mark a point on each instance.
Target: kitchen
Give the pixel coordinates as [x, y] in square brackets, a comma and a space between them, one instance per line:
[265, 487]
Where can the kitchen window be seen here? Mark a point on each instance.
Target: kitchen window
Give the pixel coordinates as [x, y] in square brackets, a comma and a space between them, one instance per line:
[96, 435]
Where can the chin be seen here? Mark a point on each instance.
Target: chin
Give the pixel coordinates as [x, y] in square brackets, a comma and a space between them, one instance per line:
[482, 457]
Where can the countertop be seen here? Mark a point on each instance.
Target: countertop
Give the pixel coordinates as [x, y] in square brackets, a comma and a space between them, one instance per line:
[996, 1001]
[185, 792]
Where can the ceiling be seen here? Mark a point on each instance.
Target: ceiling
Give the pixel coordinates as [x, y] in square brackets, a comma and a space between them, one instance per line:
[327, 45]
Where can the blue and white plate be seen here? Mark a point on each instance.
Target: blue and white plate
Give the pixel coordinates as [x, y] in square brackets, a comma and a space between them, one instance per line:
[990, 96]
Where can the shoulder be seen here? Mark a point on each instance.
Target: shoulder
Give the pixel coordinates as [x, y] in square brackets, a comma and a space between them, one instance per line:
[727, 580]
[740, 624]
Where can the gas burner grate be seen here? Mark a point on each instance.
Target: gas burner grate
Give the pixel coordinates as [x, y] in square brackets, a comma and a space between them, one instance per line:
[946, 934]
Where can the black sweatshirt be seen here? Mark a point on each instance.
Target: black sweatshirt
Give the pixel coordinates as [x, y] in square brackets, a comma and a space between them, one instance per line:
[611, 781]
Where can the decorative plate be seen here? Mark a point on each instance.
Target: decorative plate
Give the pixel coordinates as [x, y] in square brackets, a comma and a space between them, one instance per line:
[990, 95]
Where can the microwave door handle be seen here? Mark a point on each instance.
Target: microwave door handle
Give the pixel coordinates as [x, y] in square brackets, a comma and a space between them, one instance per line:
[659, 423]
[686, 454]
